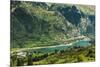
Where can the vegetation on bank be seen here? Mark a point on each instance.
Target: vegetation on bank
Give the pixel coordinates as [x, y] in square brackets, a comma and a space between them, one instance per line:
[72, 55]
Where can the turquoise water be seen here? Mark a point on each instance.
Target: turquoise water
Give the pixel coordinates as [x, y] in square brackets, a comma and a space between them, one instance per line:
[81, 43]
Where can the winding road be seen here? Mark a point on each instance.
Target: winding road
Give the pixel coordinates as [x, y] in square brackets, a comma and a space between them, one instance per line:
[74, 38]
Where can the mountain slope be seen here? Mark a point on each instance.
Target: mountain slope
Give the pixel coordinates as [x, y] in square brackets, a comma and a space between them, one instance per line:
[43, 24]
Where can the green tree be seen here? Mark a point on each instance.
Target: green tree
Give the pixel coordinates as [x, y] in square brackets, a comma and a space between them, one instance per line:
[13, 59]
[80, 58]
[20, 61]
[30, 61]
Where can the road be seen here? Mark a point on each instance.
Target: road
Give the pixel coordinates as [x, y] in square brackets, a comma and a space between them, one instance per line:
[74, 38]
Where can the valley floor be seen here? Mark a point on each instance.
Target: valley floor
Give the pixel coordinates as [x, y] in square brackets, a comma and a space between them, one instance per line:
[72, 55]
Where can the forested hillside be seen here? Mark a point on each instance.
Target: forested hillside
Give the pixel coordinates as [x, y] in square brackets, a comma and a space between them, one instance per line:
[43, 24]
